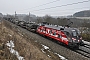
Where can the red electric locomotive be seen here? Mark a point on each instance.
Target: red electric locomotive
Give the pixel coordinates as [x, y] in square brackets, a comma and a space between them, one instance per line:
[66, 35]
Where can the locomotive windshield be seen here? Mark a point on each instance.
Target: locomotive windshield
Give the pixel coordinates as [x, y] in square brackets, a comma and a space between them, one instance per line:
[74, 33]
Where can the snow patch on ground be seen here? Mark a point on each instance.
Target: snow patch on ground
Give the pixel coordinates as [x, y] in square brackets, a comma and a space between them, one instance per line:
[43, 50]
[49, 50]
[86, 42]
[45, 47]
[10, 35]
[63, 58]
[49, 56]
[10, 44]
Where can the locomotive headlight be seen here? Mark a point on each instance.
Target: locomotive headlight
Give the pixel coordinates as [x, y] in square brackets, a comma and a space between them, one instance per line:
[78, 40]
[73, 39]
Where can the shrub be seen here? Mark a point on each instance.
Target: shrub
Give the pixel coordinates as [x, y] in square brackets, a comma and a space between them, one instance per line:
[86, 36]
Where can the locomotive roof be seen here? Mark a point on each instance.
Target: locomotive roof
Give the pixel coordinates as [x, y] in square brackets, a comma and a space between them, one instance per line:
[61, 27]
[58, 27]
[54, 27]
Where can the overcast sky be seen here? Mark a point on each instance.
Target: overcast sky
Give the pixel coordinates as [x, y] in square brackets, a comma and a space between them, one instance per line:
[26, 6]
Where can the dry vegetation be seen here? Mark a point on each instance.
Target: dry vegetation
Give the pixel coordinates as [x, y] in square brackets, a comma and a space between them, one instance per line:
[4, 51]
[86, 36]
[26, 47]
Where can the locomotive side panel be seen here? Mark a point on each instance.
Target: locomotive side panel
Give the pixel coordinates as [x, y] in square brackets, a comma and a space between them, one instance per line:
[53, 33]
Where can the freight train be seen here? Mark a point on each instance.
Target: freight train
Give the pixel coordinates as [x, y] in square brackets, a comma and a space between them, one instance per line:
[63, 34]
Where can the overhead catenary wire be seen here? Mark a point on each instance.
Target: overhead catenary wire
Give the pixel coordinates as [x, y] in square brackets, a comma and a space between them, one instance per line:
[46, 3]
[69, 9]
[63, 5]
[64, 11]
[42, 4]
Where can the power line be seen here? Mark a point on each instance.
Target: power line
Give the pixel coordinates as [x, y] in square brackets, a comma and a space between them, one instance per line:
[63, 5]
[64, 11]
[74, 9]
[43, 4]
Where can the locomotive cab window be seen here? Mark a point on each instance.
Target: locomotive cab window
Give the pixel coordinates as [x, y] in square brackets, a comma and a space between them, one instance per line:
[74, 33]
[67, 33]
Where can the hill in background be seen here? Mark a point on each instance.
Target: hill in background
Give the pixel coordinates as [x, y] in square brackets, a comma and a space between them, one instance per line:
[85, 13]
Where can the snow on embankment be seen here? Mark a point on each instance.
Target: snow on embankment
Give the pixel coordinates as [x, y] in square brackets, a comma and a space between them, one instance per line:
[10, 44]
[49, 51]
[86, 42]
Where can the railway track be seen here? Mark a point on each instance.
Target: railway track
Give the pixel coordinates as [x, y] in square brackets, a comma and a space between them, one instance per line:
[84, 50]
[87, 46]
